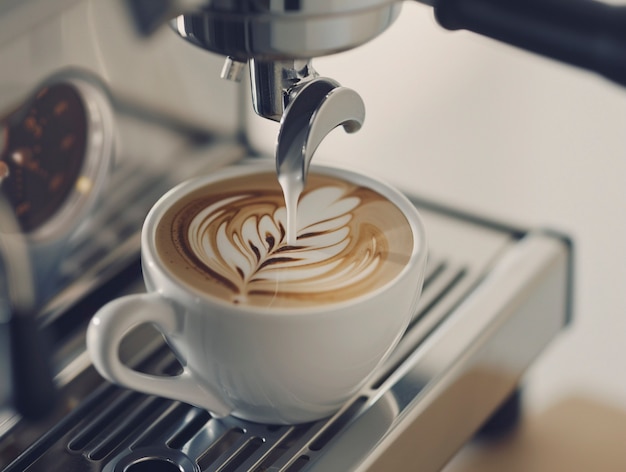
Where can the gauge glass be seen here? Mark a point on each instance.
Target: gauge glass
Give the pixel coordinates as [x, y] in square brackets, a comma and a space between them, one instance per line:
[44, 148]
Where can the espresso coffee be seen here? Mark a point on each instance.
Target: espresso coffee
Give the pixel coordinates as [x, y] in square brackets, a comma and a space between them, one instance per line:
[228, 240]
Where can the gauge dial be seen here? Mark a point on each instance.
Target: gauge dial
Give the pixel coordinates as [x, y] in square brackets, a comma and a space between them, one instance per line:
[44, 150]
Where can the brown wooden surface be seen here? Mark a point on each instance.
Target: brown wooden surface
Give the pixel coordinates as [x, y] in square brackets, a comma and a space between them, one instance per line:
[576, 434]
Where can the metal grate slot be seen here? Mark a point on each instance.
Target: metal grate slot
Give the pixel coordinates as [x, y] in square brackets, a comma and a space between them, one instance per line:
[299, 464]
[220, 447]
[333, 428]
[433, 269]
[121, 406]
[161, 361]
[194, 425]
[242, 455]
[173, 367]
[446, 283]
[288, 441]
[127, 428]
[165, 426]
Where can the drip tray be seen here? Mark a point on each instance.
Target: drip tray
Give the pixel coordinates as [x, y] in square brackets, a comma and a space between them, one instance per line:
[492, 299]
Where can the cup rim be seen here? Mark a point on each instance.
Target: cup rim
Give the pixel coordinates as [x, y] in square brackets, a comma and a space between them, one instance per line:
[151, 258]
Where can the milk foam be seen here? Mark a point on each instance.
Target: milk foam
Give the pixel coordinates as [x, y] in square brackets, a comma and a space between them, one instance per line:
[233, 243]
[255, 255]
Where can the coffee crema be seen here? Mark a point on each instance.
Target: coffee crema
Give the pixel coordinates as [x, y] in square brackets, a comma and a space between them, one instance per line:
[228, 240]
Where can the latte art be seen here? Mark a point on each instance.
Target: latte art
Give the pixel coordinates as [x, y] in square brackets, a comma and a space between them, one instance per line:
[251, 251]
[229, 240]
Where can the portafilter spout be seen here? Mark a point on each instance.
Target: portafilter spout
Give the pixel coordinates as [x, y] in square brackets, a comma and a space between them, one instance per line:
[315, 110]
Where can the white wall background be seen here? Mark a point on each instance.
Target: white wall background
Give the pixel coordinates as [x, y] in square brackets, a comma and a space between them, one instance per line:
[482, 126]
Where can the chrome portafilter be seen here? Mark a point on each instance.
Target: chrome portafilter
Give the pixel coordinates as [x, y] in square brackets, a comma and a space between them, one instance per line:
[26, 357]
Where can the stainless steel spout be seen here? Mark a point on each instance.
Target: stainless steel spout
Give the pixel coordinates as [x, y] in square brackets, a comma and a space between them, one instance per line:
[307, 106]
[317, 108]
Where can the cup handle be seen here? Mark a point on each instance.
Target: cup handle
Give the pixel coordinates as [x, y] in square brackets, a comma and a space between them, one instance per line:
[114, 321]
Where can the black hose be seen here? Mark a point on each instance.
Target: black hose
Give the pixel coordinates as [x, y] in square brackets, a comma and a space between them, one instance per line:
[584, 33]
[34, 391]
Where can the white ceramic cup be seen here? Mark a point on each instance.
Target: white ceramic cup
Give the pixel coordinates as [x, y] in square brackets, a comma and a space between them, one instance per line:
[287, 365]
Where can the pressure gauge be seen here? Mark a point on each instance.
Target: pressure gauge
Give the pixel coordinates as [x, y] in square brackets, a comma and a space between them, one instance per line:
[55, 153]
[57, 149]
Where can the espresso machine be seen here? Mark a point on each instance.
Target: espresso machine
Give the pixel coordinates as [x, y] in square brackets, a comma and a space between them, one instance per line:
[131, 97]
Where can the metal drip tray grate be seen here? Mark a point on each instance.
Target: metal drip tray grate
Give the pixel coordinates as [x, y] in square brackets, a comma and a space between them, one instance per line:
[101, 427]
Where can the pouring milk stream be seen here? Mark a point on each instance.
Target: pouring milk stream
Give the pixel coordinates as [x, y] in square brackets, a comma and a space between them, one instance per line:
[317, 109]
